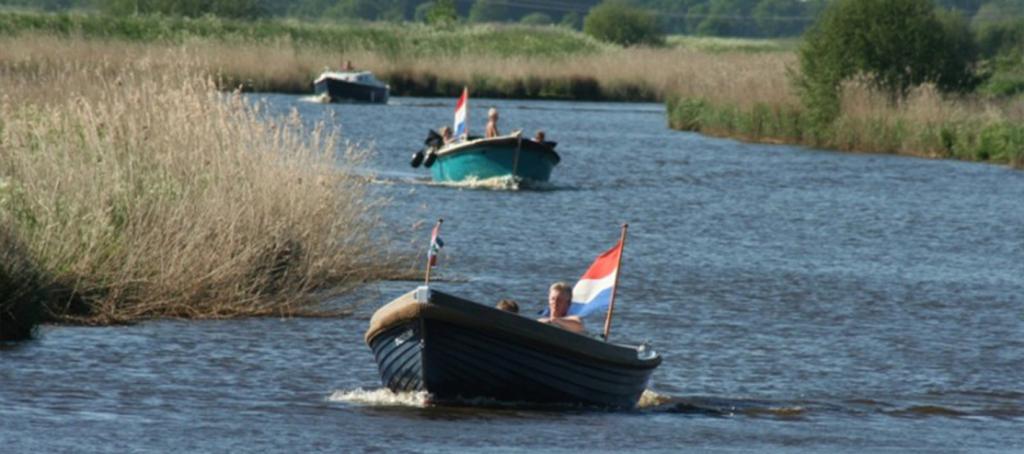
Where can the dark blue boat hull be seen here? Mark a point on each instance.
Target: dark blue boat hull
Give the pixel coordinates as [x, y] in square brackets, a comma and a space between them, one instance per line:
[339, 90]
[455, 361]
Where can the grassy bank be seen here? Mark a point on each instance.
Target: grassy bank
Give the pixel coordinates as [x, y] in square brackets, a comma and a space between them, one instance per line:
[509, 61]
[925, 125]
[138, 190]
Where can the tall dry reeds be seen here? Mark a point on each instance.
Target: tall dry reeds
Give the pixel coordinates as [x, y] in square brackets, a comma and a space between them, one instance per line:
[142, 191]
[611, 74]
[759, 104]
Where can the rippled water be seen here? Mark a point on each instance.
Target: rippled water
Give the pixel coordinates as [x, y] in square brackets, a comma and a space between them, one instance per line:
[803, 300]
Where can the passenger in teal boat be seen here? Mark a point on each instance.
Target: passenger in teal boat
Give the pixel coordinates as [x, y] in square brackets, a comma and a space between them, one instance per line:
[492, 124]
[539, 137]
[446, 135]
[559, 300]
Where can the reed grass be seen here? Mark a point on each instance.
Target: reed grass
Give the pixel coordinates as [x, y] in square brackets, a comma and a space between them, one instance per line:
[138, 190]
[926, 124]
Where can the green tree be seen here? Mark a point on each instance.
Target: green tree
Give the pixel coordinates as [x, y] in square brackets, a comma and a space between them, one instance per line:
[893, 45]
[488, 11]
[619, 22]
[536, 19]
[354, 9]
[571, 20]
[442, 13]
[780, 17]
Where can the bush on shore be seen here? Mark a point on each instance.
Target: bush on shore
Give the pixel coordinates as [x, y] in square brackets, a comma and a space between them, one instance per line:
[616, 21]
[145, 192]
[892, 45]
[21, 302]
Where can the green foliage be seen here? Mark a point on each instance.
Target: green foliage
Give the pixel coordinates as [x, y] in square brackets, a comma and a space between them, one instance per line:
[488, 11]
[536, 19]
[780, 17]
[1004, 37]
[618, 22]
[893, 45]
[389, 39]
[354, 9]
[21, 282]
[442, 13]
[236, 9]
[571, 20]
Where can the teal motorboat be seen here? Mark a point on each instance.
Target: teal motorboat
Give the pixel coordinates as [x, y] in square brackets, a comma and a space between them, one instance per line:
[512, 156]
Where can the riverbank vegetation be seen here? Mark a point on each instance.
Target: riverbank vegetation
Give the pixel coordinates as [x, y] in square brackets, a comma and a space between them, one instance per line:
[877, 76]
[501, 61]
[132, 189]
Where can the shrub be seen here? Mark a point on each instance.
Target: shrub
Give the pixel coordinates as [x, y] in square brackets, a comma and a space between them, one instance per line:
[442, 13]
[618, 22]
[536, 19]
[893, 45]
[20, 282]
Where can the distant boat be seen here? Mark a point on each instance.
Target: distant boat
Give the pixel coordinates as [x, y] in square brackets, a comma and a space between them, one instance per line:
[468, 158]
[360, 86]
[455, 349]
[510, 156]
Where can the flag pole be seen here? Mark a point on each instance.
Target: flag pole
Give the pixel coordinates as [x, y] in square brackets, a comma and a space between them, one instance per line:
[430, 251]
[615, 286]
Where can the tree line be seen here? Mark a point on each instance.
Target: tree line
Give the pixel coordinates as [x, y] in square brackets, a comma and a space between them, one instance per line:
[744, 18]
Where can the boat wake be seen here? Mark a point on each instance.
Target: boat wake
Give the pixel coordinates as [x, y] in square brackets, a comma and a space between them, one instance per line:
[701, 406]
[380, 397]
[315, 99]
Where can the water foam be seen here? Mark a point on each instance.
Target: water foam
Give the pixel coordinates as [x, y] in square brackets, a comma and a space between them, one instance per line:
[650, 398]
[503, 183]
[381, 397]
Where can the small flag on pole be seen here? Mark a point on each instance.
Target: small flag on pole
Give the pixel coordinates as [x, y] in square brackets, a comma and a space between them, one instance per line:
[461, 131]
[436, 243]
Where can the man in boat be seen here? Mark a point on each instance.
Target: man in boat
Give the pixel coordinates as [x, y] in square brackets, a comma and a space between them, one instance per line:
[446, 135]
[492, 124]
[559, 300]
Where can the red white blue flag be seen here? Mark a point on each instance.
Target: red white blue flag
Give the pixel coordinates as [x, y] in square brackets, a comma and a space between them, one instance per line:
[593, 292]
[460, 115]
[435, 245]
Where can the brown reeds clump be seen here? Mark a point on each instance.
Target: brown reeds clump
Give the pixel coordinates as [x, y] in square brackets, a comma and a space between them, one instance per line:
[145, 192]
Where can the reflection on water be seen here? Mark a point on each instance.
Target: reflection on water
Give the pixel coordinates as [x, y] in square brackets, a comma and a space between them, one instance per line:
[802, 300]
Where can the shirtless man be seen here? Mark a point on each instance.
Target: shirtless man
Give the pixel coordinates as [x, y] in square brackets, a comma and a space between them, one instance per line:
[559, 300]
[492, 124]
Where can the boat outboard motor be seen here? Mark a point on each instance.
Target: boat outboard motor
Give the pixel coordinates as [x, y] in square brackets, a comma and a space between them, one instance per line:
[431, 157]
[417, 159]
[432, 142]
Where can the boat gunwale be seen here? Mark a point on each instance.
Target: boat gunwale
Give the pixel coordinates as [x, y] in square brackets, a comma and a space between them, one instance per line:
[517, 328]
[472, 145]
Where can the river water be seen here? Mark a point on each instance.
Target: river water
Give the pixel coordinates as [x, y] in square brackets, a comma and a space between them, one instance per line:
[802, 300]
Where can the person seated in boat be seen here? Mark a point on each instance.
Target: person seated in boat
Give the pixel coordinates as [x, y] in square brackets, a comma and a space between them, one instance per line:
[539, 137]
[446, 135]
[559, 300]
[492, 124]
[508, 306]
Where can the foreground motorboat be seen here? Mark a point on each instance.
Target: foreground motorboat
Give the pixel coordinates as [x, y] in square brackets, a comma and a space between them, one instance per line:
[360, 86]
[458, 350]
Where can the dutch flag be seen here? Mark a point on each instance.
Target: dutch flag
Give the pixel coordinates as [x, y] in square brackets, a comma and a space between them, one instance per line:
[460, 115]
[593, 292]
[436, 243]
